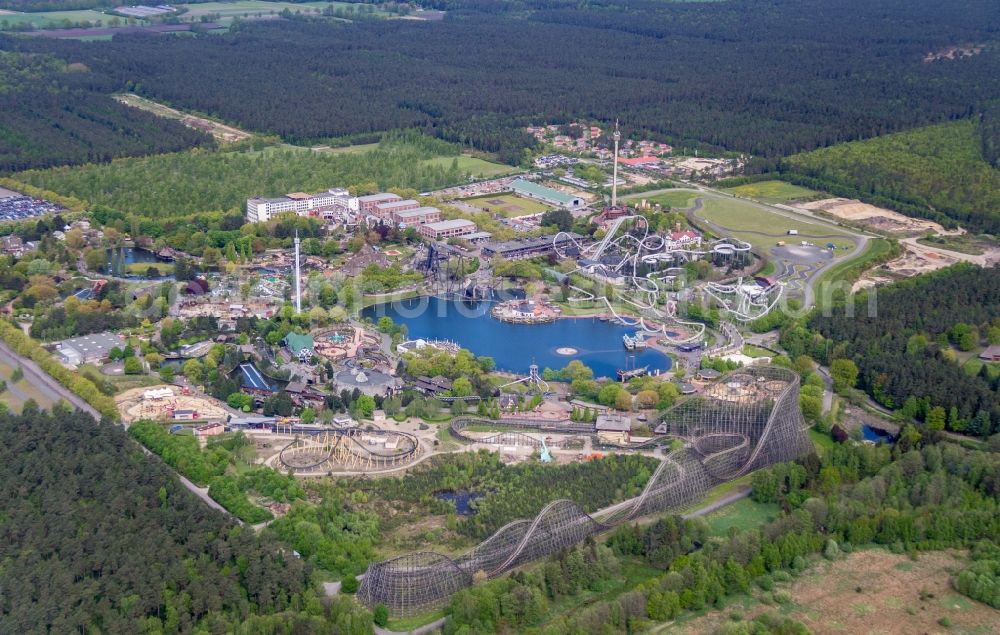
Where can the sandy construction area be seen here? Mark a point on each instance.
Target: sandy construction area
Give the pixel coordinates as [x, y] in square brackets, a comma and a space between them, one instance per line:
[875, 217]
[133, 407]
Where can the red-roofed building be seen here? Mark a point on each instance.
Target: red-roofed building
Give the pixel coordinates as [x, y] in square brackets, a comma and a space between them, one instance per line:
[684, 239]
[639, 161]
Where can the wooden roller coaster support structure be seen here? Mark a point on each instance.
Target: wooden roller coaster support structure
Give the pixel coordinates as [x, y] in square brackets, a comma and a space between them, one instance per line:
[747, 420]
[347, 450]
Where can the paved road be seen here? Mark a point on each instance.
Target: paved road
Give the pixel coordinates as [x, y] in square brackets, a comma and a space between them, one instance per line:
[43, 381]
[56, 391]
[827, 391]
[860, 238]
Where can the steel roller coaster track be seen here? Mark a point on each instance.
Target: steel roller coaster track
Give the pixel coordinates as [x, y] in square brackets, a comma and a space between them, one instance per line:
[742, 302]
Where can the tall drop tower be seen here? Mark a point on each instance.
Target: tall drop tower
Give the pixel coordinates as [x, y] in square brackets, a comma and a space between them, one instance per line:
[614, 176]
[298, 276]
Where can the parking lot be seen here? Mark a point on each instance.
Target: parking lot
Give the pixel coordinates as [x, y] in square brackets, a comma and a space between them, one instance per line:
[14, 206]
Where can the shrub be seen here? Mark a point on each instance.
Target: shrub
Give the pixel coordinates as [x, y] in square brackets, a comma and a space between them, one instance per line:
[381, 615]
[349, 584]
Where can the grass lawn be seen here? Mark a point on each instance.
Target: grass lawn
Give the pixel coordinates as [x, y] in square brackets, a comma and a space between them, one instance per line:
[407, 624]
[965, 243]
[772, 192]
[253, 7]
[822, 441]
[744, 514]
[479, 168]
[762, 228]
[140, 268]
[680, 200]
[756, 351]
[972, 366]
[507, 205]
[719, 491]
[358, 149]
[851, 269]
[55, 19]
[19, 392]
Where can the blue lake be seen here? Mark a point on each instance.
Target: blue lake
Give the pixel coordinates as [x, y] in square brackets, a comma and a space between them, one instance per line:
[515, 346]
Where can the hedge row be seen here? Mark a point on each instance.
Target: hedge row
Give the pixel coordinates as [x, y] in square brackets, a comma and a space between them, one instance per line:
[80, 386]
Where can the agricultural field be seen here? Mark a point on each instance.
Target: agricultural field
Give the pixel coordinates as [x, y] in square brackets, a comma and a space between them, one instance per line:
[507, 205]
[52, 19]
[762, 227]
[870, 591]
[227, 11]
[478, 168]
[773, 192]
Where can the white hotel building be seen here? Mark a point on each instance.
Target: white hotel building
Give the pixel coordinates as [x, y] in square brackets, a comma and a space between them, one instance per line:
[261, 210]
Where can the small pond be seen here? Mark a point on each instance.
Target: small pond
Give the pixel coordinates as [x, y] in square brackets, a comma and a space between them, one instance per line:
[462, 499]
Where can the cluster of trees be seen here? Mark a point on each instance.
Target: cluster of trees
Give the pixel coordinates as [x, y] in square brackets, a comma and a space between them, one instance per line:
[517, 491]
[902, 353]
[503, 86]
[221, 181]
[80, 317]
[78, 385]
[120, 545]
[212, 466]
[330, 535]
[524, 598]
[981, 580]
[913, 497]
[467, 370]
[989, 133]
[521, 491]
[53, 113]
[947, 172]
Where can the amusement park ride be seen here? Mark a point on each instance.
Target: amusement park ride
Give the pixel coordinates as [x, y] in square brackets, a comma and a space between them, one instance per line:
[746, 420]
[628, 247]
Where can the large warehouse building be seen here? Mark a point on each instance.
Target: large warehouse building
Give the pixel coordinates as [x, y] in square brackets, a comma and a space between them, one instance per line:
[531, 247]
[546, 195]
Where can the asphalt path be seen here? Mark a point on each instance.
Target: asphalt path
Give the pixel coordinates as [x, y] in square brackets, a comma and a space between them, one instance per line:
[860, 239]
[55, 391]
[44, 382]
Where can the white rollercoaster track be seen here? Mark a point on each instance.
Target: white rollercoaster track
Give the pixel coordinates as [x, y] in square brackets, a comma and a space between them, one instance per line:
[737, 299]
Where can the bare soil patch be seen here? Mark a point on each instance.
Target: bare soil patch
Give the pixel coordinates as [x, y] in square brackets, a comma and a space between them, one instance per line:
[876, 218]
[871, 592]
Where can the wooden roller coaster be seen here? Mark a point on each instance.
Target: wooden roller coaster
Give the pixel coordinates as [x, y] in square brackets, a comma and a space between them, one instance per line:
[349, 450]
[748, 419]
